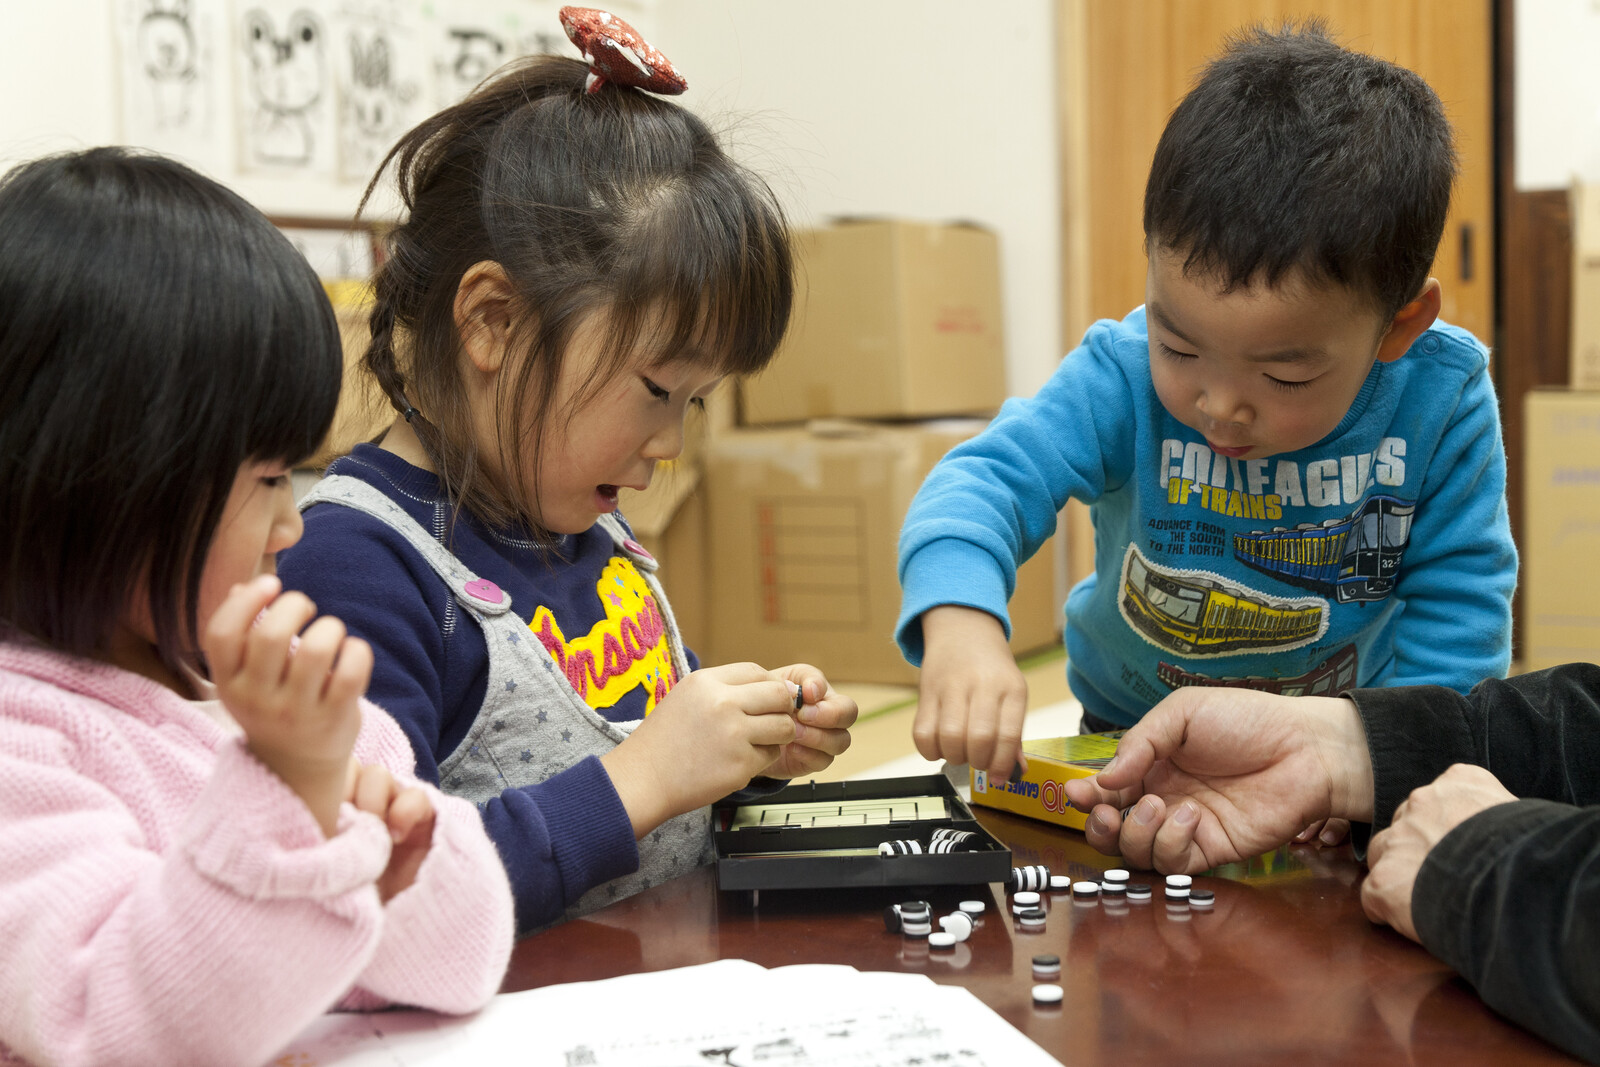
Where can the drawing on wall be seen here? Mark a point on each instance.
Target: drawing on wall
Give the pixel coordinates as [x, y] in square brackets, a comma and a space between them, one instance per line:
[380, 73]
[284, 108]
[168, 73]
[470, 42]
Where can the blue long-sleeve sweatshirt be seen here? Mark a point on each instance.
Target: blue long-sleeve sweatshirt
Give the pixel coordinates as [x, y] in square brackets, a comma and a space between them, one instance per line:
[1381, 555]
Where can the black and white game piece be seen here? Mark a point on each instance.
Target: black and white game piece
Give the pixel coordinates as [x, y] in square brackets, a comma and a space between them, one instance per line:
[958, 924]
[1138, 891]
[973, 907]
[1201, 898]
[1060, 883]
[1085, 889]
[1034, 877]
[900, 848]
[1046, 968]
[941, 939]
[1047, 993]
[1033, 917]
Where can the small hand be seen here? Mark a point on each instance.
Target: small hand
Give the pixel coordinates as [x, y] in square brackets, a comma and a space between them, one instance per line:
[1421, 821]
[409, 815]
[825, 718]
[717, 729]
[298, 702]
[972, 697]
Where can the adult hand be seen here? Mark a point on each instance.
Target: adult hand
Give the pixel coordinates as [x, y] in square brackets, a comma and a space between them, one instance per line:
[1214, 775]
[971, 695]
[297, 701]
[824, 718]
[407, 812]
[1395, 854]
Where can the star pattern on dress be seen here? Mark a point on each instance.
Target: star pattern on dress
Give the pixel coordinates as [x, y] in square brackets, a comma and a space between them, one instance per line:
[514, 637]
[566, 735]
[499, 724]
[511, 686]
[615, 599]
[526, 757]
[543, 716]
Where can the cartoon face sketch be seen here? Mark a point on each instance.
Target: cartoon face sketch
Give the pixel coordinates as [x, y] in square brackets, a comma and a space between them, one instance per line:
[371, 91]
[286, 81]
[478, 53]
[374, 97]
[167, 56]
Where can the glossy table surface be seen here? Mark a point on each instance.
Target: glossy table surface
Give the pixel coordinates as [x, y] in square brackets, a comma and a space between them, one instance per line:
[1284, 967]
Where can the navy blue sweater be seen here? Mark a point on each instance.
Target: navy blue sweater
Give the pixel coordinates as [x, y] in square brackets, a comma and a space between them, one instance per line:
[558, 838]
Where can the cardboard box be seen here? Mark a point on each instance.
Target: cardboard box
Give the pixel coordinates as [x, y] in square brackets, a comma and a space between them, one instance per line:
[1585, 370]
[1051, 761]
[804, 530]
[891, 320]
[1560, 539]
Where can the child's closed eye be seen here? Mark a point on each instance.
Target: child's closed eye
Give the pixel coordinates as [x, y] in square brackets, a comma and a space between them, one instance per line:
[656, 391]
[1289, 386]
[1171, 353]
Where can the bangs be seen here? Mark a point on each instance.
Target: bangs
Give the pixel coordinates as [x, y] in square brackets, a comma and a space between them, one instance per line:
[714, 261]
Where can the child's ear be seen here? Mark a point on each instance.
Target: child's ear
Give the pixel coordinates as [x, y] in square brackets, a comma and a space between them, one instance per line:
[1410, 322]
[485, 304]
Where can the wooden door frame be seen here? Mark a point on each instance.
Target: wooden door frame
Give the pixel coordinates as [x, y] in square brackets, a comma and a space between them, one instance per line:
[1533, 282]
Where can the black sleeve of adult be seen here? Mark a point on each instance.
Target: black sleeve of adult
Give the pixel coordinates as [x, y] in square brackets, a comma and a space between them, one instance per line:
[1538, 733]
[1511, 900]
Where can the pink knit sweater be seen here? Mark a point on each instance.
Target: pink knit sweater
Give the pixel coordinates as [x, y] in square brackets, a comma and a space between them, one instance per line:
[164, 898]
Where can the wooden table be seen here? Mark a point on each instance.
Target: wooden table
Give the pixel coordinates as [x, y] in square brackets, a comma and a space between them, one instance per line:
[1283, 969]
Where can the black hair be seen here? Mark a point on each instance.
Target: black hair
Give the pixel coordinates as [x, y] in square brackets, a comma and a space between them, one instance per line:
[156, 334]
[614, 201]
[1292, 153]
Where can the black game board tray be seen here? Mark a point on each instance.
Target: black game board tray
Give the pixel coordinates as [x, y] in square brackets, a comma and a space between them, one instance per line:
[817, 835]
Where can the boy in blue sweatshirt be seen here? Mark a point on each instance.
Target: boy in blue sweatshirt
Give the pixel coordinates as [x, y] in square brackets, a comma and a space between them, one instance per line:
[1294, 469]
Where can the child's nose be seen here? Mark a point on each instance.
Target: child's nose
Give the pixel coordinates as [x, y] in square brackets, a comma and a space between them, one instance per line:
[1219, 404]
[665, 443]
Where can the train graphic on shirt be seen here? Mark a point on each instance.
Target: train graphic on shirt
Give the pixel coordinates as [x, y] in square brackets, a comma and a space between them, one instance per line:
[1333, 675]
[1354, 558]
[1201, 613]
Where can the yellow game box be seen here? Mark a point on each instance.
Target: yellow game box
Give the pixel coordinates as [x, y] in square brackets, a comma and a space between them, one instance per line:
[1051, 761]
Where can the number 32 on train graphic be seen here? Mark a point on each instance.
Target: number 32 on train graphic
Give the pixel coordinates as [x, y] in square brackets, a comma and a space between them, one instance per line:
[1351, 559]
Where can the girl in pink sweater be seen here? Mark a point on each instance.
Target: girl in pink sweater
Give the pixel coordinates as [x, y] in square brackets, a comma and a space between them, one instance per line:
[207, 838]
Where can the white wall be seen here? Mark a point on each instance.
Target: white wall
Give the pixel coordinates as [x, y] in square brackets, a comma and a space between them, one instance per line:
[60, 90]
[911, 108]
[1557, 93]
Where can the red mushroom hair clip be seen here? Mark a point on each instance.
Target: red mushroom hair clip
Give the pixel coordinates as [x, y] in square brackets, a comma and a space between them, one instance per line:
[616, 53]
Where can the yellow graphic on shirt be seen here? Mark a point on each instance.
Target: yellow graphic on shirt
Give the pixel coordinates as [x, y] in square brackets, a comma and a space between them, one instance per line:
[627, 649]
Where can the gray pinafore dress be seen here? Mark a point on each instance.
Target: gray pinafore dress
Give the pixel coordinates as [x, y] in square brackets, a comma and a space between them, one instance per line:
[533, 724]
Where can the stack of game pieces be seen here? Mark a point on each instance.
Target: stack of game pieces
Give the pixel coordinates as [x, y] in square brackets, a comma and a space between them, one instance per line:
[1031, 878]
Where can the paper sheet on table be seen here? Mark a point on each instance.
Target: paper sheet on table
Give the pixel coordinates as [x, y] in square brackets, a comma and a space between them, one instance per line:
[729, 1012]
